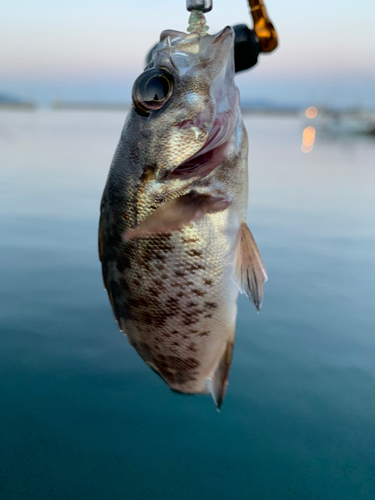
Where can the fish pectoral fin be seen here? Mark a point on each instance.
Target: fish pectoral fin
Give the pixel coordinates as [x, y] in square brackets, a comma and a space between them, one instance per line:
[174, 214]
[218, 382]
[249, 268]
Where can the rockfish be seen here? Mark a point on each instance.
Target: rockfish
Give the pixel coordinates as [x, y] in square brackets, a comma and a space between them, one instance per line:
[173, 240]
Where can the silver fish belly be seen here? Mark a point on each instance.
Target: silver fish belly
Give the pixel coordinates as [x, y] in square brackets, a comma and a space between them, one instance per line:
[173, 240]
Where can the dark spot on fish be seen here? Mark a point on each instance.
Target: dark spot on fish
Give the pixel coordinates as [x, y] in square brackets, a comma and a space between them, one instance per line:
[204, 334]
[187, 239]
[164, 276]
[192, 348]
[160, 317]
[164, 245]
[147, 318]
[208, 281]
[180, 273]
[153, 291]
[195, 267]
[190, 321]
[159, 266]
[172, 303]
[194, 253]
[145, 265]
[208, 316]
[210, 305]
[192, 304]
[180, 294]
[198, 292]
[137, 282]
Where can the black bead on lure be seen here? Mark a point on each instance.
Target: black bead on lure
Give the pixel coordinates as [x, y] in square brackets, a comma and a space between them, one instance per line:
[173, 240]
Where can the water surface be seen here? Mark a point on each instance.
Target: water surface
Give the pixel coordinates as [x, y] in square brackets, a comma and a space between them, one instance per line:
[82, 416]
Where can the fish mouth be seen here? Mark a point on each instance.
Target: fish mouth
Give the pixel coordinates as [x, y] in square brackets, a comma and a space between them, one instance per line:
[212, 153]
[221, 121]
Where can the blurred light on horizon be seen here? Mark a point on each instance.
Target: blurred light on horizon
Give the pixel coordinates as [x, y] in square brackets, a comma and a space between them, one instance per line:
[308, 139]
[311, 112]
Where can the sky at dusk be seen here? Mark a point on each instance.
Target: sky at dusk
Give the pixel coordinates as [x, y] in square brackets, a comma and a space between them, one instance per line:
[93, 50]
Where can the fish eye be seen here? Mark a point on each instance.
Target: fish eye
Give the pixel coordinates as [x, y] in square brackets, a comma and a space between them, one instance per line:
[151, 90]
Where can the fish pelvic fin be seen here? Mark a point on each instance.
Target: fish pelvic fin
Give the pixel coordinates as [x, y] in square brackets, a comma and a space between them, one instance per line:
[218, 382]
[174, 214]
[249, 268]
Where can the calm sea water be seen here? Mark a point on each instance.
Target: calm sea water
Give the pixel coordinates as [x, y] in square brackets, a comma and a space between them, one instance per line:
[82, 417]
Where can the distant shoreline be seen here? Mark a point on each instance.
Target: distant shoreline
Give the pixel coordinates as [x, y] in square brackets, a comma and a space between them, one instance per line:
[98, 106]
[17, 106]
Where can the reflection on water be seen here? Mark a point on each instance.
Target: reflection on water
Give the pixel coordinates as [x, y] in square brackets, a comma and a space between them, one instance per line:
[308, 139]
[83, 417]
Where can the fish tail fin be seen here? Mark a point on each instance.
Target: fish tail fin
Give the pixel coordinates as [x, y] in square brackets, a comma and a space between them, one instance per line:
[218, 382]
[249, 268]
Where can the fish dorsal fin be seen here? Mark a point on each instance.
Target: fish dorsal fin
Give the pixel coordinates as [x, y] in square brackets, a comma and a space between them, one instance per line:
[174, 214]
[219, 380]
[249, 268]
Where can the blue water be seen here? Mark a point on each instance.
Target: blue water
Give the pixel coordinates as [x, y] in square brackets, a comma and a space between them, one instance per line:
[82, 417]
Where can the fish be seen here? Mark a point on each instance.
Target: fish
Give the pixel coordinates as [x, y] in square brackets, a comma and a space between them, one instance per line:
[174, 244]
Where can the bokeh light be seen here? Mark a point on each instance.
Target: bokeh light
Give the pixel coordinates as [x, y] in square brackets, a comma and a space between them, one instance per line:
[308, 139]
[311, 112]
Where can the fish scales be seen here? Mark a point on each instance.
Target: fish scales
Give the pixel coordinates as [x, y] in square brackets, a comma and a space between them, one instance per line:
[172, 212]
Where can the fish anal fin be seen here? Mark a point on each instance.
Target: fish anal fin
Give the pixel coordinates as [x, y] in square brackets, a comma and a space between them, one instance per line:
[249, 268]
[219, 379]
[174, 214]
